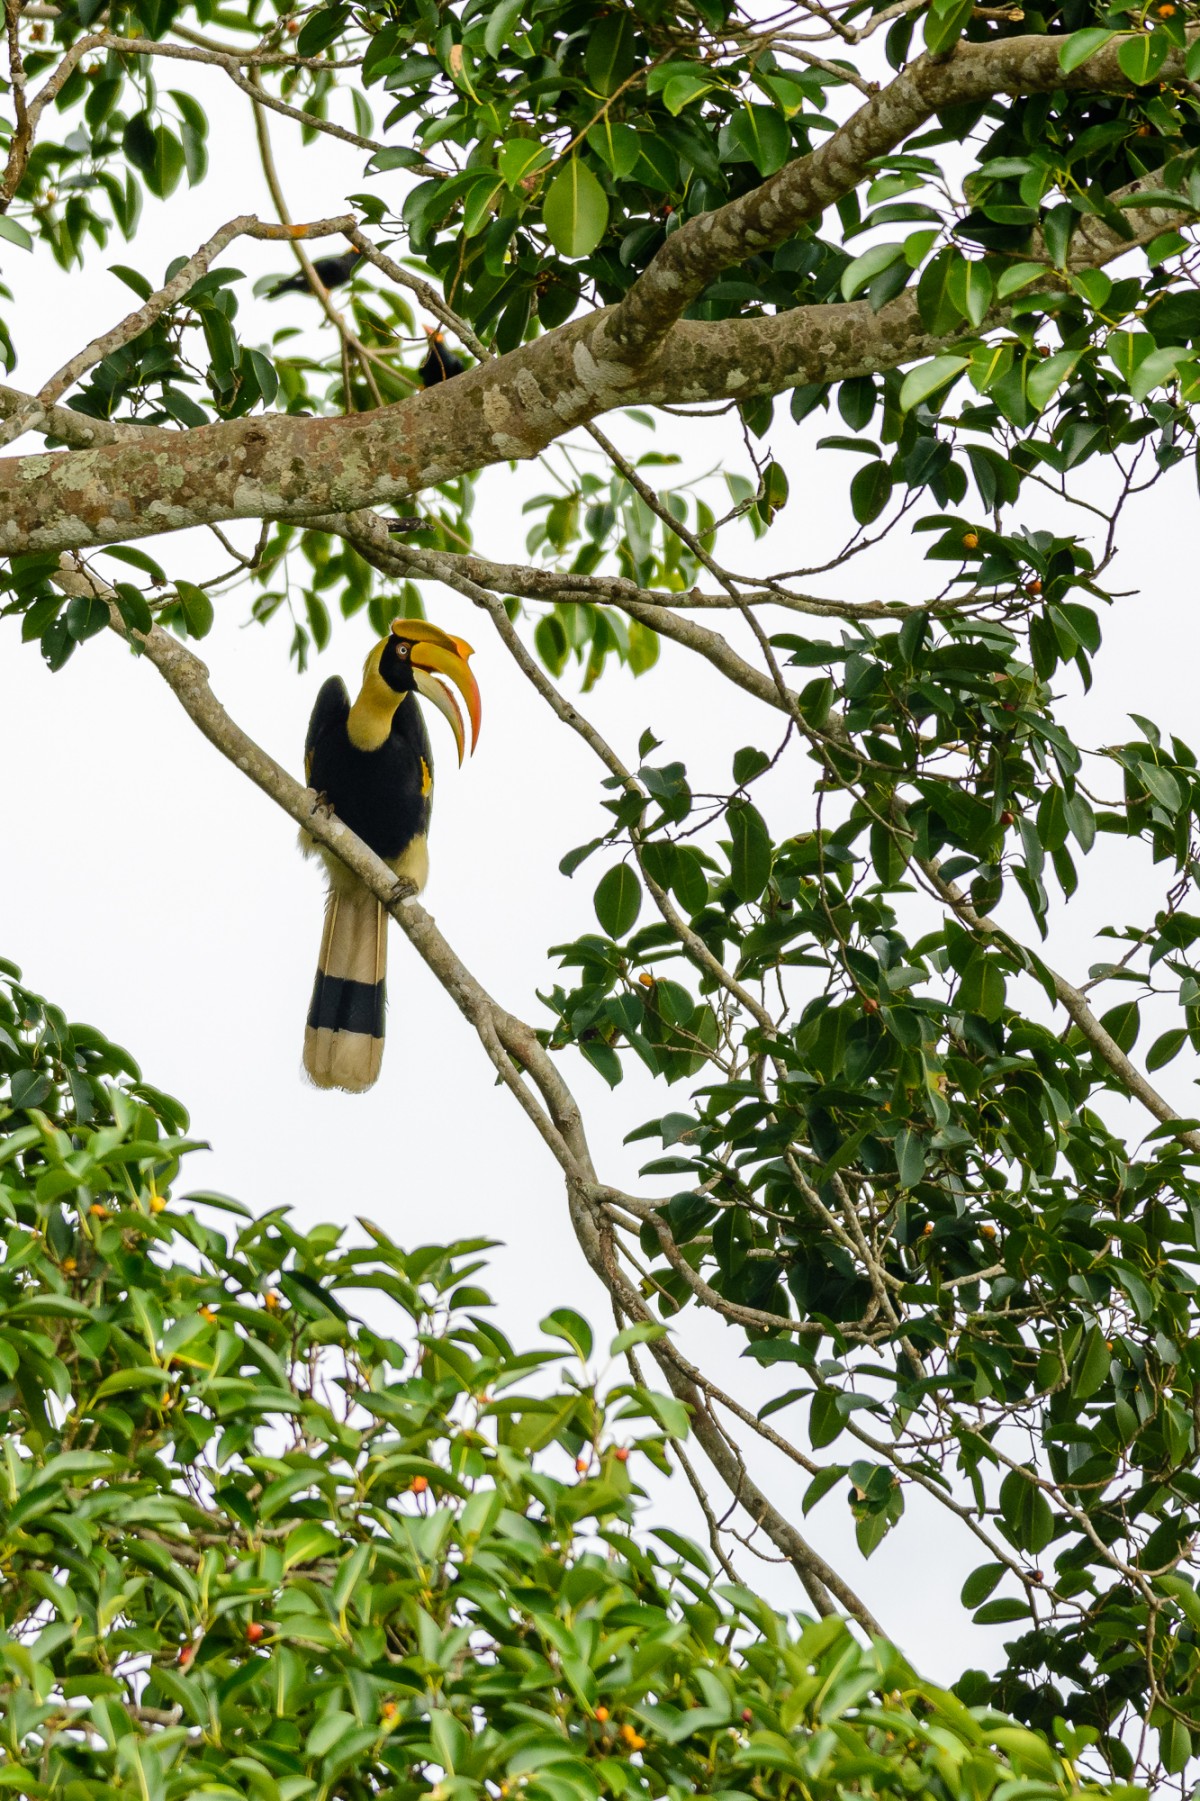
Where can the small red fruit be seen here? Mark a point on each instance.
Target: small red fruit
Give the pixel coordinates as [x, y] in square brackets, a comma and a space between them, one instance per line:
[1033, 587]
[621, 1454]
[97, 1211]
[419, 1484]
[1007, 818]
[254, 1631]
[581, 1464]
[186, 1654]
[747, 1716]
[870, 1006]
[602, 1714]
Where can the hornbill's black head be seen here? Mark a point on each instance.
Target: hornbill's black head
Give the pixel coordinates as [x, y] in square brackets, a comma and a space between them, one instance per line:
[413, 656]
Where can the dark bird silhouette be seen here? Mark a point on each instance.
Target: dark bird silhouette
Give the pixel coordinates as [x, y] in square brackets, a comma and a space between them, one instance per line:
[440, 364]
[372, 766]
[331, 272]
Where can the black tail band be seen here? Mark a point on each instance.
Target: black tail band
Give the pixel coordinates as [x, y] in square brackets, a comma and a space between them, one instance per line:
[341, 1006]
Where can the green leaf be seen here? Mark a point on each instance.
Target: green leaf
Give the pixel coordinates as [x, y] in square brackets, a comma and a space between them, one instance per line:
[750, 855]
[1141, 57]
[1081, 44]
[611, 54]
[980, 1583]
[197, 608]
[618, 900]
[15, 233]
[927, 378]
[520, 157]
[862, 271]
[910, 1157]
[570, 1326]
[945, 23]
[1092, 1366]
[870, 491]
[500, 25]
[575, 210]
[971, 288]
[762, 135]
[86, 615]
[982, 988]
[645, 1332]
[1025, 1514]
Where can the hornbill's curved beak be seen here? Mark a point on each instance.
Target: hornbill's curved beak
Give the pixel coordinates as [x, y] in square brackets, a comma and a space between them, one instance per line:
[435, 653]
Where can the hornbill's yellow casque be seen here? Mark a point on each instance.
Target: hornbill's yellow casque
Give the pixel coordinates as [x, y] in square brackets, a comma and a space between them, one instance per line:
[371, 763]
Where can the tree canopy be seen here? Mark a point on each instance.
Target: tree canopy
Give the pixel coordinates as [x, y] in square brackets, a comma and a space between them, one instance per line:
[949, 245]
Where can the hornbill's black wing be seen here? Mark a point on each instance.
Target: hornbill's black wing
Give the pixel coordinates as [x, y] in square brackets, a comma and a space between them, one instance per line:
[329, 715]
[331, 271]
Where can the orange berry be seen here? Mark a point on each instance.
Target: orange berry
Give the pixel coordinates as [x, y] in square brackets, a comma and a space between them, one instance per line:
[255, 1631]
[632, 1738]
[1166, 10]
[747, 1716]
[157, 1203]
[1007, 817]
[389, 1710]
[208, 1314]
[1033, 587]
[69, 1265]
[928, 1228]
[621, 1454]
[970, 540]
[186, 1654]
[581, 1464]
[870, 1006]
[419, 1484]
[97, 1211]
[646, 979]
[602, 1714]
[271, 1303]
[987, 1231]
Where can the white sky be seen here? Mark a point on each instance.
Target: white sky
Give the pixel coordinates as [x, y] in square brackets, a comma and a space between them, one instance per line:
[148, 888]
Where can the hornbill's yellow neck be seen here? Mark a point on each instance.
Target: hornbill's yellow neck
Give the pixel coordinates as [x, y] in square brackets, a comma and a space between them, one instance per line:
[370, 719]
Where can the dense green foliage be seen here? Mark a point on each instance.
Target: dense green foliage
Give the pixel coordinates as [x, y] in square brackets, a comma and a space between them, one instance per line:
[287, 1518]
[893, 1162]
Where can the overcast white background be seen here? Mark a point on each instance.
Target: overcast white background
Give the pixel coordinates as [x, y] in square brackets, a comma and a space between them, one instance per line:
[147, 887]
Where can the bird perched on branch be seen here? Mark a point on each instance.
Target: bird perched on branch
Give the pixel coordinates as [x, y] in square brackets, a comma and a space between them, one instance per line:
[372, 766]
[440, 364]
[331, 272]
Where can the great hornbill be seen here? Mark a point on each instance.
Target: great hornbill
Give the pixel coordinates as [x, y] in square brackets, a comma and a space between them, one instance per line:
[331, 272]
[440, 364]
[372, 766]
